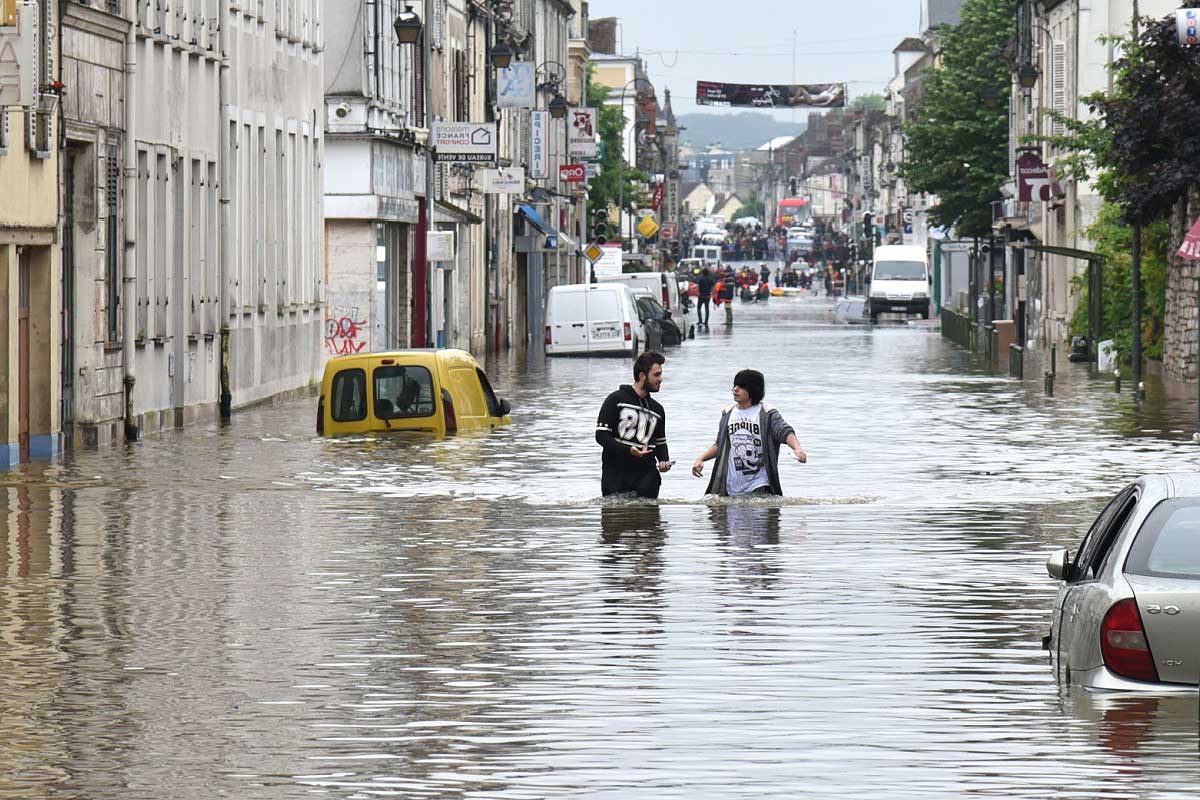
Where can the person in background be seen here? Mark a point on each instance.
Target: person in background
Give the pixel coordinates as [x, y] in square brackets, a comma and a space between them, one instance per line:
[748, 441]
[704, 290]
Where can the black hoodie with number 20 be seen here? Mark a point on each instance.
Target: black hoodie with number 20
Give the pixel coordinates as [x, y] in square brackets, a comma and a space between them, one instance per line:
[627, 420]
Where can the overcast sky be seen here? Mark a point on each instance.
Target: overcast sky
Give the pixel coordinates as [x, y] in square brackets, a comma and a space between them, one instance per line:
[750, 41]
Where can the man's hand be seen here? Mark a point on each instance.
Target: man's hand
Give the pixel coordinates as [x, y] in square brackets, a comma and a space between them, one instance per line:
[665, 466]
[641, 451]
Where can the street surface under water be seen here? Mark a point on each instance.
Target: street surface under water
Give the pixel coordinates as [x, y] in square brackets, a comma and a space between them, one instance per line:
[250, 611]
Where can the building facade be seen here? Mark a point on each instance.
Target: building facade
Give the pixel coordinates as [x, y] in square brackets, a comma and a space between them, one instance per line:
[30, 256]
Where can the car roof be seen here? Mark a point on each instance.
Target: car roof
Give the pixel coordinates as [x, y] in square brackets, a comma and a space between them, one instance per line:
[425, 356]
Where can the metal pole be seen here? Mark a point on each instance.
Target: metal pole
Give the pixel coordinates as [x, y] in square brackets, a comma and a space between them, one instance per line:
[1198, 349]
[430, 201]
[1137, 307]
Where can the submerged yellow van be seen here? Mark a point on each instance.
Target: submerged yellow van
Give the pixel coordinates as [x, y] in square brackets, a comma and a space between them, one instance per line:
[430, 391]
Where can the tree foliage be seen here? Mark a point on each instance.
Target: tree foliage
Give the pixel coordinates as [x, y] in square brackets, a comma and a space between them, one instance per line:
[957, 143]
[605, 189]
[868, 102]
[1113, 240]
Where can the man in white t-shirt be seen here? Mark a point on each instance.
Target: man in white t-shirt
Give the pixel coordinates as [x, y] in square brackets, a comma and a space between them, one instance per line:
[748, 440]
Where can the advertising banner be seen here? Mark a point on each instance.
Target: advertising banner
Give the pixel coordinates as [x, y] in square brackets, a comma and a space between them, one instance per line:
[506, 180]
[539, 144]
[464, 142]
[610, 263]
[439, 246]
[516, 85]
[581, 133]
[765, 95]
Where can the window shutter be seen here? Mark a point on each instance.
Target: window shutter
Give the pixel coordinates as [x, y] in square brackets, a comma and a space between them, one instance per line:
[1058, 85]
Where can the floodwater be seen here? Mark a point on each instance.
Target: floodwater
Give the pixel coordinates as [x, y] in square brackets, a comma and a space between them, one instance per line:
[252, 612]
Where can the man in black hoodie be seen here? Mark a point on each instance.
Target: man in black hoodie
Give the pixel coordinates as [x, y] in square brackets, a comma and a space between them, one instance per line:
[632, 429]
[704, 290]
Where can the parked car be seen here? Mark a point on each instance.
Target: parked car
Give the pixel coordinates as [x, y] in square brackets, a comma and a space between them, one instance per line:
[1125, 614]
[664, 287]
[430, 391]
[595, 318]
[653, 314]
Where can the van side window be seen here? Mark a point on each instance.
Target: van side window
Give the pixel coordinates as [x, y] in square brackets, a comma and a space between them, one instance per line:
[349, 393]
[402, 392]
[493, 405]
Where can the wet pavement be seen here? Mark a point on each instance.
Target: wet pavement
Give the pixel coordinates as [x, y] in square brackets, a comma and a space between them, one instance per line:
[251, 611]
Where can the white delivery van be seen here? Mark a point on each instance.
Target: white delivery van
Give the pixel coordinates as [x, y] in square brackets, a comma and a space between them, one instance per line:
[664, 287]
[899, 281]
[709, 254]
[586, 318]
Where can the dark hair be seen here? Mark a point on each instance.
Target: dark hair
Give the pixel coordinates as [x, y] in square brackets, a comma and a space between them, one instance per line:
[645, 362]
[753, 382]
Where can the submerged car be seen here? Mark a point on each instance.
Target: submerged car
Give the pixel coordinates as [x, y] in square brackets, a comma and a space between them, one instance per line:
[428, 391]
[1125, 617]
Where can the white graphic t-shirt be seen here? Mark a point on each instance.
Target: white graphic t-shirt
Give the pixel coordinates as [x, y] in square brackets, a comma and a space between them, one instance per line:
[747, 468]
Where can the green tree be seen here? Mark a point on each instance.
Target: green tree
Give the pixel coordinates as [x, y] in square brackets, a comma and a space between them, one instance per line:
[958, 141]
[605, 190]
[868, 102]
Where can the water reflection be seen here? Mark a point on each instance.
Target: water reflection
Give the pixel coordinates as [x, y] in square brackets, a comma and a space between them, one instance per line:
[253, 611]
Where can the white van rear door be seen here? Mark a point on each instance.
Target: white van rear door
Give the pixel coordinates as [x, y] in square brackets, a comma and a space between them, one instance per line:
[605, 326]
[568, 320]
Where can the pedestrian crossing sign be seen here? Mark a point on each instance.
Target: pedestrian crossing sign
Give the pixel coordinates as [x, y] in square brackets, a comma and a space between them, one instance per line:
[647, 227]
[593, 253]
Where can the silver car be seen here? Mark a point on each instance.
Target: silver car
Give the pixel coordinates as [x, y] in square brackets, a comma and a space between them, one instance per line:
[1127, 616]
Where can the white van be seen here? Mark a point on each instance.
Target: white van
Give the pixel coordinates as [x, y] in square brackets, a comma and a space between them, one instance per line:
[899, 281]
[592, 318]
[709, 254]
[664, 287]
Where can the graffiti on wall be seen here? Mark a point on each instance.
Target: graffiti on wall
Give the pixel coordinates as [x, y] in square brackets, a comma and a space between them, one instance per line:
[345, 332]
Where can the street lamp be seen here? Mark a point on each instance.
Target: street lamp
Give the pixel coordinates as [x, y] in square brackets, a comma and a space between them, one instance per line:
[558, 106]
[407, 26]
[621, 180]
[501, 54]
[1027, 76]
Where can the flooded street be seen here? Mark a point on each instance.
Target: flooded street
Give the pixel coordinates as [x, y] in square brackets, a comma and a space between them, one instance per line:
[251, 611]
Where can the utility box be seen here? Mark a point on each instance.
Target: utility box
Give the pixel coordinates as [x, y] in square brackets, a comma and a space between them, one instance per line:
[1006, 331]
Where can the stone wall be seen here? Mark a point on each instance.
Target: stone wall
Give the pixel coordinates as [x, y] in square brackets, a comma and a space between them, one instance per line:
[1180, 324]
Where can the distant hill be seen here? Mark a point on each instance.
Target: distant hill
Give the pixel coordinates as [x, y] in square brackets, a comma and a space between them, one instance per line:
[740, 131]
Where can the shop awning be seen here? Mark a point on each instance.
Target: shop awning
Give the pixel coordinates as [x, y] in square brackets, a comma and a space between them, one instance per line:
[535, 219]
[448, 213]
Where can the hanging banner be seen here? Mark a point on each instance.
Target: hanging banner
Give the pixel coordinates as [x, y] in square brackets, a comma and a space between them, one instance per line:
[516, 85]
[746, 95]
[581, 133]
[572, 173]
[657, 198]
[539, 144]
[1187, 25]
[1190, 249]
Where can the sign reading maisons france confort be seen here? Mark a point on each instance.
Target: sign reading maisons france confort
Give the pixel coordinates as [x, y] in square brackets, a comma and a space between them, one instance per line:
[464, 142]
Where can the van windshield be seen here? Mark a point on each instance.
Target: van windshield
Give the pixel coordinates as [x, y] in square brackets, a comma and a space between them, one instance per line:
[899, 270]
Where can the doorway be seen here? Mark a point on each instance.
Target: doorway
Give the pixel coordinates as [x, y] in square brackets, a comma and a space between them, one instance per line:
[23, 354]
[67, 372]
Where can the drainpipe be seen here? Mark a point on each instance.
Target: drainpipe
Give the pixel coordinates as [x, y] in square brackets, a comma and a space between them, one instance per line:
[224, 271]
[131, 244]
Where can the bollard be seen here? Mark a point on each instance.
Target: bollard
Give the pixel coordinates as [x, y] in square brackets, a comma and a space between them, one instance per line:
[1141, 390]
[1117, 380]
[1053, 359]
[1049, 381]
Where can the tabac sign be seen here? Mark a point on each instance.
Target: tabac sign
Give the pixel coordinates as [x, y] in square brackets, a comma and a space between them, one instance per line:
[1033, 179]
[18, 54]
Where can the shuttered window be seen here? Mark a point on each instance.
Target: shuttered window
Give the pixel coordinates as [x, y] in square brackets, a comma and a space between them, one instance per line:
[1058, 85]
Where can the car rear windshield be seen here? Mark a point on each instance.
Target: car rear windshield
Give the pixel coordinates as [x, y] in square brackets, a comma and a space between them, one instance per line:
[1168, 545]
[899, 270]
[349, 396]
[403, 392]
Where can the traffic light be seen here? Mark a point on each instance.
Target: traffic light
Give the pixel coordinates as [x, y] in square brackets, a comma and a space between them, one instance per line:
[600, 226]
[792, 186]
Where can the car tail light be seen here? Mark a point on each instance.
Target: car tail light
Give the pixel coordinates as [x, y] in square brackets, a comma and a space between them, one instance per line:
[628, 332]
[1123, 643]
[321, 416]
[548, 339]
[448, 410]
[666, 298]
